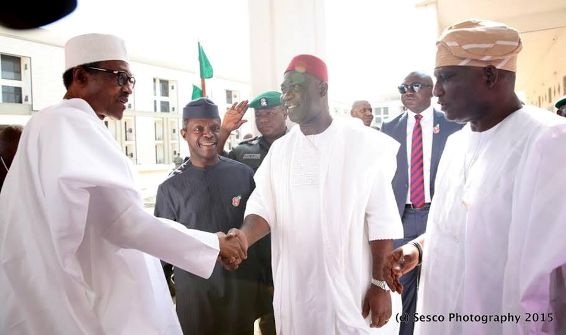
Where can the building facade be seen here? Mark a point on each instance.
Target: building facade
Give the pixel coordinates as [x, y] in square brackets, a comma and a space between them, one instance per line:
[149, 132]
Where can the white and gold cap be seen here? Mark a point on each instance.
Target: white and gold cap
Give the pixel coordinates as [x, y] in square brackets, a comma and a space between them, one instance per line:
[90, 48]
[479, 43]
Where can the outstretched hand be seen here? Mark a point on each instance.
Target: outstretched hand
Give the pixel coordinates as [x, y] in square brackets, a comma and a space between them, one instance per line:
[397, 263]
[233, 248]
[233, 116]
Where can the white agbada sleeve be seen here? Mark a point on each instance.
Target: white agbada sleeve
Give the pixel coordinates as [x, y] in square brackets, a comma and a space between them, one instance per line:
[262, 200]
[71, 225]
[536, 263]
[92, 174]
[382, 215]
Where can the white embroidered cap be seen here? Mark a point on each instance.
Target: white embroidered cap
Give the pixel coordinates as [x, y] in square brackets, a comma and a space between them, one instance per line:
[90, 48]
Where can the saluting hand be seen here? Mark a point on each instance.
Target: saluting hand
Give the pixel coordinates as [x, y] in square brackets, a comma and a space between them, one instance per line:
[233, 117]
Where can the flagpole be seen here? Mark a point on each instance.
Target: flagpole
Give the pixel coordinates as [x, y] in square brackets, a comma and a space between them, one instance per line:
[202, 84]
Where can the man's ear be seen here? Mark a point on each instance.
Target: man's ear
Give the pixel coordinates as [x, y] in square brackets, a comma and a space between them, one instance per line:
[491, 75]
[283, 111]
[80, 76]
[323, 88]
[184, 133]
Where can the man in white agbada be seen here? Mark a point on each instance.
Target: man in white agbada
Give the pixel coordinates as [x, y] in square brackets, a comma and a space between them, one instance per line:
[494, 247]
[324, 191]
[73, 231]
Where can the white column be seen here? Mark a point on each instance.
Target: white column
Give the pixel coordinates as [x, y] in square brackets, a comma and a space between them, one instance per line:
[280, 30]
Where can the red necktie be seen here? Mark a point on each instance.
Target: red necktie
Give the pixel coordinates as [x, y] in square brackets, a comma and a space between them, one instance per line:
[417, 176]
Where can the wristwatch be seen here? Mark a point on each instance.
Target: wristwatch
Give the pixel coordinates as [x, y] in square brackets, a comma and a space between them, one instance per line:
[381, 284]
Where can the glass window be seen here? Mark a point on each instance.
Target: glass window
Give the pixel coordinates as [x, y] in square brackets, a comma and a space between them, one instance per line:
[11, 67]
[164, 106]
[229, 96]
[11, 94]
[164, 96]
[164, 88]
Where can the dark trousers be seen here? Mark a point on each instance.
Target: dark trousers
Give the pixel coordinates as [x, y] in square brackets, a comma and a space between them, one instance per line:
[221, 305]
[414, 224]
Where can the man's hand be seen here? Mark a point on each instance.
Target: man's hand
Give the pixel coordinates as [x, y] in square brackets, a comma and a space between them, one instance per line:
[233, 117]
[378, 301]
[233, 248]
[400, 261]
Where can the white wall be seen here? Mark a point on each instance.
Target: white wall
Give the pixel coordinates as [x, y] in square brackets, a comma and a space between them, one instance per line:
[47, 67]
[550, 74]
[280, 30]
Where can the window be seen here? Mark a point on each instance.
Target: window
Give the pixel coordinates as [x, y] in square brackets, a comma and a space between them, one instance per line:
[164, 106]
[164, 96]
[158, 124]
[15, 79]
[232, 96]
[11, 94]
[11, 67]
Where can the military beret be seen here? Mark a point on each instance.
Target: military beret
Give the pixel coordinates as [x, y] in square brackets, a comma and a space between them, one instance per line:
[201, 108]
[560, 102]
[266, 100]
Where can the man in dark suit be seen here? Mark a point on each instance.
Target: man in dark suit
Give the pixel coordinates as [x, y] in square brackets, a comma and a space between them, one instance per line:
[422, 132]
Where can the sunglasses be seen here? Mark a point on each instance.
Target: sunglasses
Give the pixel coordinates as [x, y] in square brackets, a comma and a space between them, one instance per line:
[414, 87]
[122, 77]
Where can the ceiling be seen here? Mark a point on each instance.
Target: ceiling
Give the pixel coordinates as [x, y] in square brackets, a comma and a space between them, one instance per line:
[540, 23]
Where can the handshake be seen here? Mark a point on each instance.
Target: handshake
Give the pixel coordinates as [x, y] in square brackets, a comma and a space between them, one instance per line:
[233, 248]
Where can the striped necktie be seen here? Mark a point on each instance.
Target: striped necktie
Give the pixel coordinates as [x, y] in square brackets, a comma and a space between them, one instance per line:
[417, 176]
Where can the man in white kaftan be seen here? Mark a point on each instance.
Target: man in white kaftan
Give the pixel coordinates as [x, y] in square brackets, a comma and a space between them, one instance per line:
[73, 231]
[507, 253]
[325, 194]
[494, 252]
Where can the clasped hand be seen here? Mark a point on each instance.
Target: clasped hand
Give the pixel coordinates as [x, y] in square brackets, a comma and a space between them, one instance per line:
[233, 248]
[397, 263]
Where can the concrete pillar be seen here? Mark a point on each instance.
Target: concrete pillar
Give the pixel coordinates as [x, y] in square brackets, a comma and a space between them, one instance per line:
[279, 30]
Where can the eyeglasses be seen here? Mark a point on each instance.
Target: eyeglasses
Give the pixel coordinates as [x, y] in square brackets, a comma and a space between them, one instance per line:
[414, 87]
[122, 77]
[4, 163]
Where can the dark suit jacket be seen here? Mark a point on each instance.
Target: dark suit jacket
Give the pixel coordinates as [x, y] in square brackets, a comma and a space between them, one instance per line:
[397, 128]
